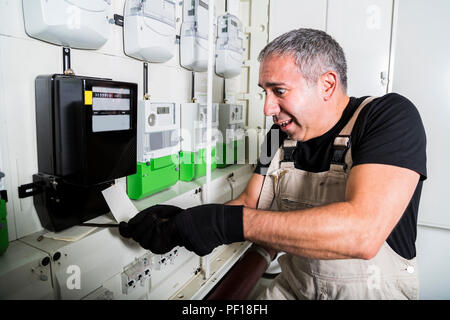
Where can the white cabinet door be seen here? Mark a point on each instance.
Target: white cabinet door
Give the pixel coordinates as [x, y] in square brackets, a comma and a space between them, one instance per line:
[422, 74]
[286, 15]
[363, 29]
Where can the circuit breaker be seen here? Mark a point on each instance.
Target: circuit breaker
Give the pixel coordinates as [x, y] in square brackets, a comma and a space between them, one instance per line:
[82, 24]
[149, 29]
[158, 147]
[86, 138]
[229, 46]
[193, 144]
[231, 146]
[194, 35]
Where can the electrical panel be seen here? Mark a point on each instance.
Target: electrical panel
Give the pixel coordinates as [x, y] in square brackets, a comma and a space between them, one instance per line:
[193, 144]
[158, 147]
[194, 35]
[231, 147]
[229, 46]
[149, 29]
[86, 138]
[82, 24]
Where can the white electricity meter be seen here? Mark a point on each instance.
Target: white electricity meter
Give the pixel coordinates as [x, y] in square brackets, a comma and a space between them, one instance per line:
[158, 130]
[194, 35]
[194, 126]
[82, 24]
[149, 29]
[229, 46]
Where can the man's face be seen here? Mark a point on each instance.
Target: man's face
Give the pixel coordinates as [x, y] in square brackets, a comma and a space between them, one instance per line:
[293, 104]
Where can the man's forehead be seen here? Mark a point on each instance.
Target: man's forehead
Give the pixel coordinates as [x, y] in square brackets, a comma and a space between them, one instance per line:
[278, 70]
[279, 59]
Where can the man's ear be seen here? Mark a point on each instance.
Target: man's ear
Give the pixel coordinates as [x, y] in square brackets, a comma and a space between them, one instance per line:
[328, 83]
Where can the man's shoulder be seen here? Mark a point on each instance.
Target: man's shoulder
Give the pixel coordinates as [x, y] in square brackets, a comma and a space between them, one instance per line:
[391, 102]
[388, 108]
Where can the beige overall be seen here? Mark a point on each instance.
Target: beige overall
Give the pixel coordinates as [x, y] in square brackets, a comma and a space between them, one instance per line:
[285, 188]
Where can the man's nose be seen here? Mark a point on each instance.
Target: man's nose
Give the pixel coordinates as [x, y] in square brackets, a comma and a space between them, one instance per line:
[271, 106]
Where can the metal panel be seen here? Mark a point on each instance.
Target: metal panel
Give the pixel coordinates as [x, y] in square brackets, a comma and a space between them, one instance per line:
[433, 254]
[286, 15]
[363, 29]
[422, 74]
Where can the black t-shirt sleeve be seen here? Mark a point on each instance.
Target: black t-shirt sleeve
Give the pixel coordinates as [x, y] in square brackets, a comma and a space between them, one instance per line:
[272, 142]
[390, 131]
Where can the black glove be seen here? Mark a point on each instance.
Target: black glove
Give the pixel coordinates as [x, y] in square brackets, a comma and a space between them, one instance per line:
[153, 228]
[199, 229]
[206, 227]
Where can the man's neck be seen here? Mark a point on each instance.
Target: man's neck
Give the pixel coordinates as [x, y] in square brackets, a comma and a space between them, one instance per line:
[335, 108]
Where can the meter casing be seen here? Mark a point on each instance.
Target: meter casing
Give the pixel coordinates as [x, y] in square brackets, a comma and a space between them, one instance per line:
[231, 145]
[158, 149]
[150, 29]
[86, 138]
[229, 46]
[193, 144]
[194, 35]
[81, 24]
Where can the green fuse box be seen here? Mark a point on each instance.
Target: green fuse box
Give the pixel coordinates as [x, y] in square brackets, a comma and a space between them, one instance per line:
[193, 164]
[152, 177]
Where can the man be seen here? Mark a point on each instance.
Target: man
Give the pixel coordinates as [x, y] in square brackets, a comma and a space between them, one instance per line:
[340, 196]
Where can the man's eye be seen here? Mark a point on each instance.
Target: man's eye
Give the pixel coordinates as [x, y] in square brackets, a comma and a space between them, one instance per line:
[280, 91]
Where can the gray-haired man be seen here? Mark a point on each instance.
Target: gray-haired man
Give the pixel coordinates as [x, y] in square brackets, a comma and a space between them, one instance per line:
[340, 195]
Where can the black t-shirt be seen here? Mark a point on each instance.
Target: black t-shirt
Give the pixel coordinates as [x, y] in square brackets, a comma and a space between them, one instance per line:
[389, 131]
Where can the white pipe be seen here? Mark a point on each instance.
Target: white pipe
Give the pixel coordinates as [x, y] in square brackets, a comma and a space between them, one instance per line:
[209, 98]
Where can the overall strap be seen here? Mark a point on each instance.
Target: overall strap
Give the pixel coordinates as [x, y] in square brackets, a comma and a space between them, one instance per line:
[267, 194]
[342, 155]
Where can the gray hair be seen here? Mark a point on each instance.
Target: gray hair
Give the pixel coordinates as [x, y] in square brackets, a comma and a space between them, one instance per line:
[315, 51]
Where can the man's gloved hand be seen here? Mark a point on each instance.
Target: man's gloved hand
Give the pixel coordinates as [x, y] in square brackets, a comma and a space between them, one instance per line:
[153, 228]
[199, 229]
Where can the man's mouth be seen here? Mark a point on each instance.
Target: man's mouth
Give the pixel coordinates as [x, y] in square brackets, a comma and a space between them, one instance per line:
[284, 123]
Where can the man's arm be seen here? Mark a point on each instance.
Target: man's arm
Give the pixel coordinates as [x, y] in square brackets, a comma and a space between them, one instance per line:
[376, 197]
[249, 197]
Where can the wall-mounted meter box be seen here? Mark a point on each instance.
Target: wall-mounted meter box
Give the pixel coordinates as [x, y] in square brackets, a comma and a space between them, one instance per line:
[86, 138]
[194, 35]
[229, 46]
[82, 24]
[193, 140]
[149, 29]
[4, 242]
[158, 147]
[231, 144]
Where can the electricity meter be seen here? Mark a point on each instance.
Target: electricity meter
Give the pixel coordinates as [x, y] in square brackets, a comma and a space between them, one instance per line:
[82, 24]
[149, 29]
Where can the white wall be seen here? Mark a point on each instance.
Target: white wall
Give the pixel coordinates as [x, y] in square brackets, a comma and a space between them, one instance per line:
[23, 58]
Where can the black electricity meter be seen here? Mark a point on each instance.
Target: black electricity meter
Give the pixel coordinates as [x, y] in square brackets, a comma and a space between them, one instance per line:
[86, 138]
